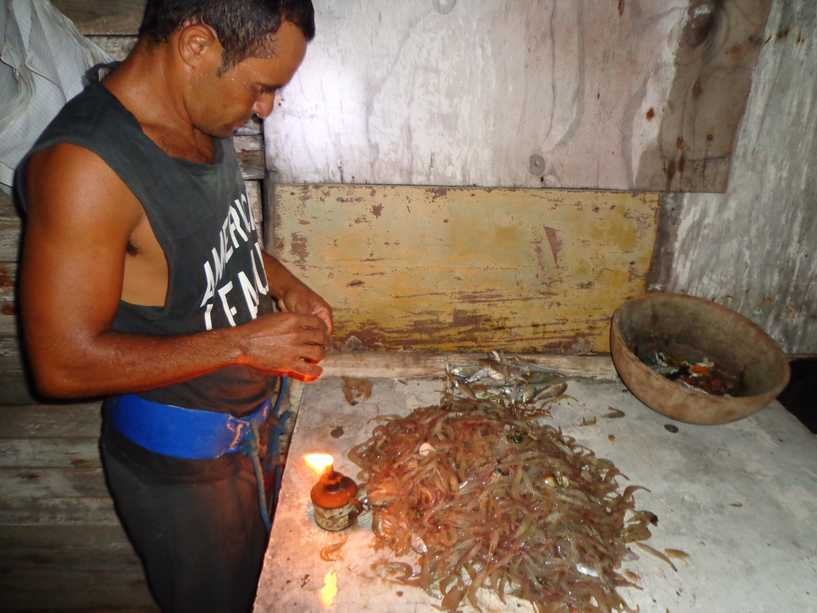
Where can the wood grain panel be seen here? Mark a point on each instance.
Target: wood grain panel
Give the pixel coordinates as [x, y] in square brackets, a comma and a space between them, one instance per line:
[460, 269]
[14, 388]
[89, 511]
[14, 385]
[10, 356]
[8, 311]
[76, 452]
[89, 548]
[28, 483]
[109, 17]
[10, 228]
[250, 152]
[66, 589]
[526, 93]
[51, 420]
[117, 47]
[6, 205]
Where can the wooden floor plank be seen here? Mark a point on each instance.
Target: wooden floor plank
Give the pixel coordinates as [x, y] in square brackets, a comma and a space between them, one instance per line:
[26, 589]
[46, 512]
[52, 482]
[50, 453]
[51, 420]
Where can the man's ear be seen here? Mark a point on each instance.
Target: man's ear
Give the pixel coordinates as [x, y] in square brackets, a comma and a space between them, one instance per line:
[198, 43]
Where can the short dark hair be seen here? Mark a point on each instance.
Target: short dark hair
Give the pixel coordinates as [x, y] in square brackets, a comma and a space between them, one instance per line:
[243, 27]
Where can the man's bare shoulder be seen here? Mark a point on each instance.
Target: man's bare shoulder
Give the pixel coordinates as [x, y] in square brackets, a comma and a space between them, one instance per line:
[73, 181]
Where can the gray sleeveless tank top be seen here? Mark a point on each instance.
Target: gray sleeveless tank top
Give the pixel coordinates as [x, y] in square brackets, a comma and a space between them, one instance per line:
[202, 219]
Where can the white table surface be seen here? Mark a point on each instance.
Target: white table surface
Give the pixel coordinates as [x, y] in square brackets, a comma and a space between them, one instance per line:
[740, 499]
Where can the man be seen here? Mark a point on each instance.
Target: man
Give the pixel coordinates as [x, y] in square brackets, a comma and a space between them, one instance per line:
[143, 280]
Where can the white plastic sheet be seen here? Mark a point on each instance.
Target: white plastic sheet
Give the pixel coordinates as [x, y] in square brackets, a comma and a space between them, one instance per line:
[43, 58]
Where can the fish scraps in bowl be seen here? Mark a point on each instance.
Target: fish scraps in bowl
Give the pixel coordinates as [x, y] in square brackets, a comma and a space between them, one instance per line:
[702, 374]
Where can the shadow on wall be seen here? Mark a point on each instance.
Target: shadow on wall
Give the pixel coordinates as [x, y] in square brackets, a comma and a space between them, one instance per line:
[800, 395]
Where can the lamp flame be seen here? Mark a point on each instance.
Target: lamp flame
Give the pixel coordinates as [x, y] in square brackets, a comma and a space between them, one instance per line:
[319, 462]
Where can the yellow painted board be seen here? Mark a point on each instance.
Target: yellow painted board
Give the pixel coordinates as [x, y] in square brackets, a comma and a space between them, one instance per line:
[446, 269]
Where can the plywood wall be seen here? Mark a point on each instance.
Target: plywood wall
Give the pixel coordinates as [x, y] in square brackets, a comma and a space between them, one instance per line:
[611, 94]
[753, 248]
[446, 269]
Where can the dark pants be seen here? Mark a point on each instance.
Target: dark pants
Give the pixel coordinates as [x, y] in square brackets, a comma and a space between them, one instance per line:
[195, 524]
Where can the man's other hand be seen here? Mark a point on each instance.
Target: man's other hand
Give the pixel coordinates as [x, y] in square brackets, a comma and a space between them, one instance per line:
[302, 300]
[287, 343]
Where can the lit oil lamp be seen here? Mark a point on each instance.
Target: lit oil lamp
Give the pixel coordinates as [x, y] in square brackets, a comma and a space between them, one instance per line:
[333, 496]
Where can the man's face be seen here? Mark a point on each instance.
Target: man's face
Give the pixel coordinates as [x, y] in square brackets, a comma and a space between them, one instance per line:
[220, 101]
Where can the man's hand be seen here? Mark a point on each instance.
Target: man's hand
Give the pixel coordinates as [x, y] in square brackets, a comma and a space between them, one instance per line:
[286, 343]
[302, 300]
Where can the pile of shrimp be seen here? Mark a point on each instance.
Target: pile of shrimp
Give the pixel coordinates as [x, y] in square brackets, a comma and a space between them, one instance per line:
[488, 498]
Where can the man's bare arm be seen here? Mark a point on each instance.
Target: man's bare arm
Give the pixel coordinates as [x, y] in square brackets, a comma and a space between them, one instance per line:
[80, 216]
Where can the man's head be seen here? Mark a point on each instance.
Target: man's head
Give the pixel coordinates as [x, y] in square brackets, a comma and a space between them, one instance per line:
[232, 55]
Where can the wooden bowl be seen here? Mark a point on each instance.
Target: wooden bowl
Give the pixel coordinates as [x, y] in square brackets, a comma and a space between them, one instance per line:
[690, 328]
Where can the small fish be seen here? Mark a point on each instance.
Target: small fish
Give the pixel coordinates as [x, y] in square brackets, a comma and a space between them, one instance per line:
[418, 544]
[551, 391]
[587, 570]
[331, 553]
[462, 372]
[425, 449]
[658, 554]
[677, 554]
[466, 390]
[486, 372]
[540, 377]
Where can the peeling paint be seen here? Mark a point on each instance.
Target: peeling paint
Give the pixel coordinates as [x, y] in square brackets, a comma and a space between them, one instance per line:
[298, 247]
[555, 243]
[438, 192]
[464, 269]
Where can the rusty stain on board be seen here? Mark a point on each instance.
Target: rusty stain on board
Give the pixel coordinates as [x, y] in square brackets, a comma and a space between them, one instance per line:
[468, 269]
[356, 390]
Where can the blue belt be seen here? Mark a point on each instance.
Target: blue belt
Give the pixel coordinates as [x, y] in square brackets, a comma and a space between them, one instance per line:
[193, 434]
[189, 434]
